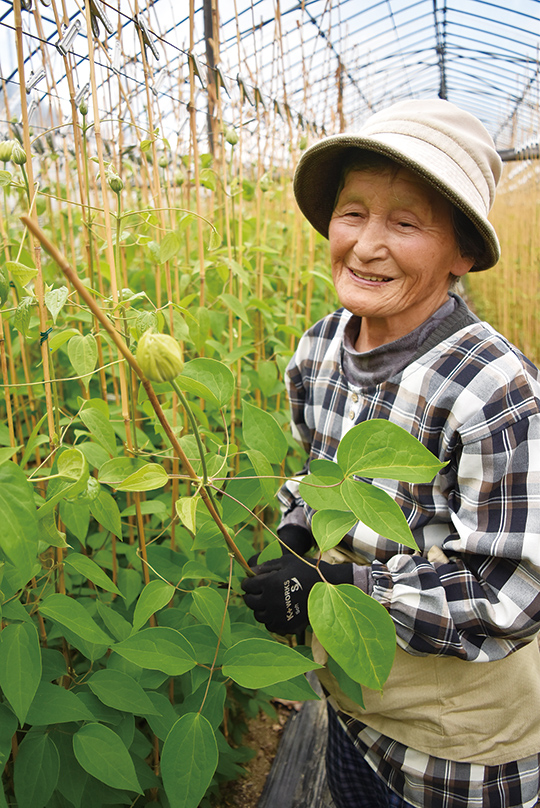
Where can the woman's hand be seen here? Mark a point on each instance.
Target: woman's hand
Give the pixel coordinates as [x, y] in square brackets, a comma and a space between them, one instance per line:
[278, 594]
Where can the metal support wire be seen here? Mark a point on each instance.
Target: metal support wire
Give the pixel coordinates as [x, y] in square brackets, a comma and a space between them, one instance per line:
[441, 48]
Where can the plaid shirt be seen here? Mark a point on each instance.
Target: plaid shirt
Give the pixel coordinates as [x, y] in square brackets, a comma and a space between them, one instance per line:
[474, 401]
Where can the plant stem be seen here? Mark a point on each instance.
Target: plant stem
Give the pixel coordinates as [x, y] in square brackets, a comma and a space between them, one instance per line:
[195, 428]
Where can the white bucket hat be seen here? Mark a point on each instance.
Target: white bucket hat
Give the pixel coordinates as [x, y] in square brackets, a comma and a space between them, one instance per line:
[449, 148]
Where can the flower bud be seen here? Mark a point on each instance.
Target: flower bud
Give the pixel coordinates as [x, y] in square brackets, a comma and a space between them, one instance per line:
[302, 143]
[230, 135]
[265, 183]
[163, 161]
[113, 181]
[83, 106]
[6, 147]
[18, 154]
[159, 356]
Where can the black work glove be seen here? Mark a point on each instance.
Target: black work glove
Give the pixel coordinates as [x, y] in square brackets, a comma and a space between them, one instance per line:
[278, 594]
[295, 538]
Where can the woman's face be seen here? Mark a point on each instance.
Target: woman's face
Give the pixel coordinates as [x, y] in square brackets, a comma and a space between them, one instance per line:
[393, 252]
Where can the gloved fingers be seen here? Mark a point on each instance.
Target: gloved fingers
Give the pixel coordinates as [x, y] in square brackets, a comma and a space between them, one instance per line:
[273, 565]
[252, 586]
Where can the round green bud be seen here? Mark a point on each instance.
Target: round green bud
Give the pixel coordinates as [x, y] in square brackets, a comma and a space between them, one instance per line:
[159, 356]
[230, 135]
[114, 182]
[83, 107]
[163, 161]
[18, 154]
[6, 147]
[302, 143]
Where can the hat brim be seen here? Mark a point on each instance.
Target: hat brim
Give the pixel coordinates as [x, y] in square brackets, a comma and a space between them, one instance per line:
[318, 176]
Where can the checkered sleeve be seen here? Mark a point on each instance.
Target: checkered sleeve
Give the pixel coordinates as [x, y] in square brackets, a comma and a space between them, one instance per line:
[481, 599]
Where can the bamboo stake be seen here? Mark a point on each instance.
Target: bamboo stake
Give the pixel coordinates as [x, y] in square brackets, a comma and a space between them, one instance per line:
[38, 284]
[195, 147]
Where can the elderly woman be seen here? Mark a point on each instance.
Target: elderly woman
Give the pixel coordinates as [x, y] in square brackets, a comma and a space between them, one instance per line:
[404, 205]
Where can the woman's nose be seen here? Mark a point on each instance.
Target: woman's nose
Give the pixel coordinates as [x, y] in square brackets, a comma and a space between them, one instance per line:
[370, 241]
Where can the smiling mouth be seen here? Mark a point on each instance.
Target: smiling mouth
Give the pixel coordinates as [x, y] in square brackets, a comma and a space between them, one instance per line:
[365, 277]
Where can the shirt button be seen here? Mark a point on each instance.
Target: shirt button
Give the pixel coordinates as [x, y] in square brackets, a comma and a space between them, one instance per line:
[351, 414]
[354, 398]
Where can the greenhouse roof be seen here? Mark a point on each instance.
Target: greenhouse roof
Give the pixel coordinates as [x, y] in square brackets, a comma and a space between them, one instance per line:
[322, 65]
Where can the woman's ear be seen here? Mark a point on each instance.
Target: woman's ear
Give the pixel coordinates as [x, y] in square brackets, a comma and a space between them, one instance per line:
[462, 265]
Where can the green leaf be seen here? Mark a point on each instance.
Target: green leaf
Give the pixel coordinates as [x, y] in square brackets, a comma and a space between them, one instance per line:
[209, 379]
[20, 272]
[117, 625]
[61, 337]
[196, 571]
[105, 511]
[4, 292]
[118, 469]
[20, 666]
[209, 609]
[89, 569]
[73, 779]
[73, 470]
[246, 491]
[376, 509]
[56, 705]
[170, 245]
[237, 307]
[271, 551]
[155, 596]
[321, 489]
[296, 689]
[71, 614]
[258, 663]
[188, 760]
[117, 689]
[164, 718]
[351, 688]
[55, 300]
[7, 452]
[102, 754]
[36, 770]
[33, 441]
[83, 355]
[20, 527]
[147, 478]
[265, 472]
[23, 312]
[8, 727]
[100, 428]
[355, 629]
[329, 527]
[262, 432]
[159, 648]
[379, 448]
[209, 698]
[186, 509]
[5, 178]
[207, 177]
[76, 517]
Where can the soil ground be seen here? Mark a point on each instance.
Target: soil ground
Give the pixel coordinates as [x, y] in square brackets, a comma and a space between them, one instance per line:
[264, 734]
